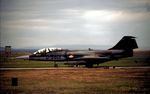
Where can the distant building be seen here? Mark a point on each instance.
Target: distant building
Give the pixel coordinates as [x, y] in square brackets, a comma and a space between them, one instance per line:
[7, 51]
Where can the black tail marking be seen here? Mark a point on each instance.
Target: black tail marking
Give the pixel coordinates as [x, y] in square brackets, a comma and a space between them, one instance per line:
[126, 43]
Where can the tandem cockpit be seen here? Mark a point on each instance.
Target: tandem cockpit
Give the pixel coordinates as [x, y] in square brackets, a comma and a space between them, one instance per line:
[48, 54]
[47, 50]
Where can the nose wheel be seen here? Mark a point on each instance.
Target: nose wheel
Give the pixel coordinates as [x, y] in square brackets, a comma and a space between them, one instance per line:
[55, 65]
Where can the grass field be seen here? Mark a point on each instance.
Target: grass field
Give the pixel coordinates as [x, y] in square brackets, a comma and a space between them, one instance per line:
[11, 62]
[126, 62]
[77, 81]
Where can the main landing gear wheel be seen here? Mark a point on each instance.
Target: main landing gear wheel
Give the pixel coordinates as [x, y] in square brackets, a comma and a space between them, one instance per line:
[88, 65]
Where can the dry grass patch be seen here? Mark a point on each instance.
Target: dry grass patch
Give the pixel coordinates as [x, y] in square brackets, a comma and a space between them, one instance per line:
[73, 81]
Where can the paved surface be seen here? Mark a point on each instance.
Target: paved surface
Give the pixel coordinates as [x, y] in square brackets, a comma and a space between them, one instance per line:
[61, 68]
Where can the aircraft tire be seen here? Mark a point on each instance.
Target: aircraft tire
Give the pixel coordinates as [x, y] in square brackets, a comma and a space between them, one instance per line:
[88, 65]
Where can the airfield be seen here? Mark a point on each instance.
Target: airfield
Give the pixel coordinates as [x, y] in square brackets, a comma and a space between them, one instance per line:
[130, 76]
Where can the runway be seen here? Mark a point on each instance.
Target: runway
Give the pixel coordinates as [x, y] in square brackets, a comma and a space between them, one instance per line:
[68, 68]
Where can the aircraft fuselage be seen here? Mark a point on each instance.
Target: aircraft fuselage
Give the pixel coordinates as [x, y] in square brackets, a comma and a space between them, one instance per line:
[99, 55]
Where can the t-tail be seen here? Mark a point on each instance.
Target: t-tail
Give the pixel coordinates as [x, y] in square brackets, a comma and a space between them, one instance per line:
[127, 43]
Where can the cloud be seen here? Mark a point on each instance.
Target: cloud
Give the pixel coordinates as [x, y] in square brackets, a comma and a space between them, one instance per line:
[69, 22]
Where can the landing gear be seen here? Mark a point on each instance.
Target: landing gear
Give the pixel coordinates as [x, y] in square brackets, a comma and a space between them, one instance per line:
[77, 65]
[88, 65]
[55, 65]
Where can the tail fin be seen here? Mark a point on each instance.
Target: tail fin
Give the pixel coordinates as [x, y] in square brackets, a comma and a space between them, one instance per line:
[126, 43]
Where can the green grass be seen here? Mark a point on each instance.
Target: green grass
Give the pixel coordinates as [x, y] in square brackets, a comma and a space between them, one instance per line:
[17, 63]
[128, 62]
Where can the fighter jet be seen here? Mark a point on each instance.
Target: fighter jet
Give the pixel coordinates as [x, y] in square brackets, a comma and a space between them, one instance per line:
[124, 48]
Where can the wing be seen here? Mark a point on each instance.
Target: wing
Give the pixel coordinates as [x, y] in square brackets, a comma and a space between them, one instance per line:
[92, 58]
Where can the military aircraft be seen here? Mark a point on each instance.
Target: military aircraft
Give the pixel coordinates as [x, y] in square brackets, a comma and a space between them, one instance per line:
[124, 48]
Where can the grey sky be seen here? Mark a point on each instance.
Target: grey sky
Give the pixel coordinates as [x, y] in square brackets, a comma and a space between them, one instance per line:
[33, 23]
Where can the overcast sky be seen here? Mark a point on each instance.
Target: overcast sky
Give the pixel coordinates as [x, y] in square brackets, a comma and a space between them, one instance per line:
[36, 23]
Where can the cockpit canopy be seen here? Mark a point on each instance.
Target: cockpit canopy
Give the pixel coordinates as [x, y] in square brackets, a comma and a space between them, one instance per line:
[47, 50]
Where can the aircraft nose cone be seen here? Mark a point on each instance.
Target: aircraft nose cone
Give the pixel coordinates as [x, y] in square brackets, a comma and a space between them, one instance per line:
[23, 57]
